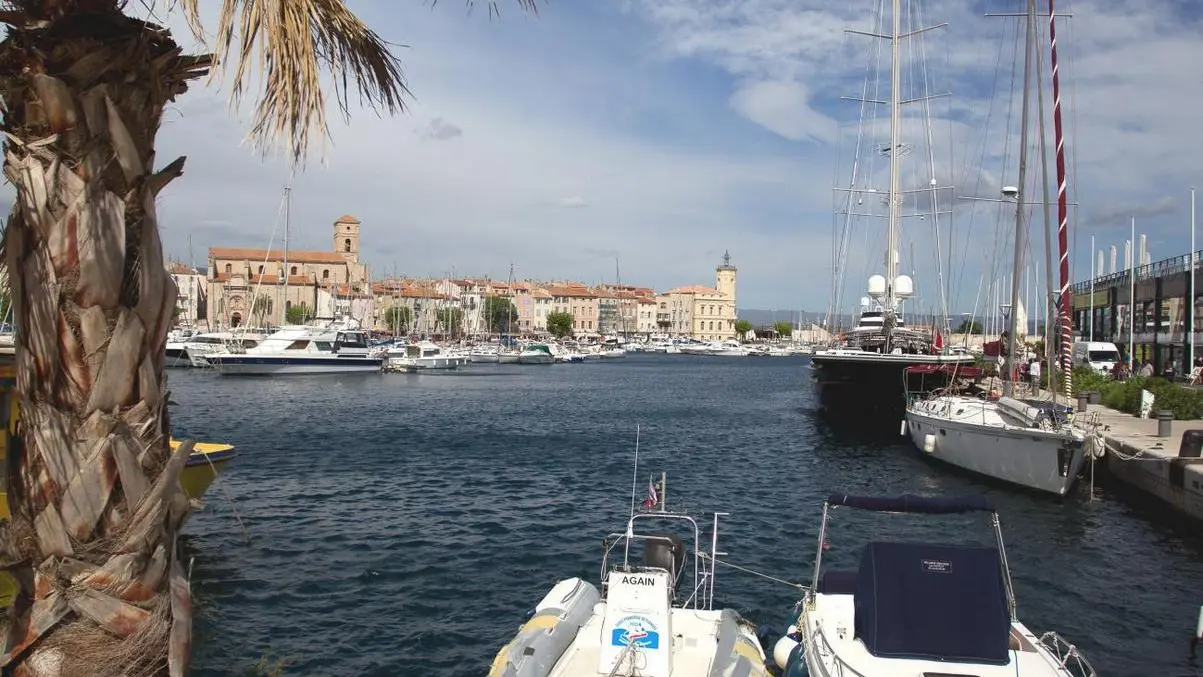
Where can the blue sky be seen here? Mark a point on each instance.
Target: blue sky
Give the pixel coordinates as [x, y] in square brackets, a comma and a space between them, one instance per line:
[664, 132]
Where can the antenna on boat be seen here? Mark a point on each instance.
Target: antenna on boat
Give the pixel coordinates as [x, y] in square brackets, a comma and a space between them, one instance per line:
[634, 481]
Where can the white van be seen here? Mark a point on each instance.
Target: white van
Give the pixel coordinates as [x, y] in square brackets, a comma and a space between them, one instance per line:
[1099, 355]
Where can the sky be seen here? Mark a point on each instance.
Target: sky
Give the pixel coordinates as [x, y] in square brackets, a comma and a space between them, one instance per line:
[644, 138]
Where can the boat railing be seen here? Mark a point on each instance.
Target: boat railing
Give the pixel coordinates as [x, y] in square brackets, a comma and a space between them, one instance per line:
[702, 594]
[1068, 656]
[826, 653]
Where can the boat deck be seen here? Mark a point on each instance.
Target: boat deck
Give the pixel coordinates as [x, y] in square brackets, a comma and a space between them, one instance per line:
[694, 640]
[838, 612]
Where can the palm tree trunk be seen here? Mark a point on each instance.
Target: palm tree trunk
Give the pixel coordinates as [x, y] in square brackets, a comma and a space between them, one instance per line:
[93, 488]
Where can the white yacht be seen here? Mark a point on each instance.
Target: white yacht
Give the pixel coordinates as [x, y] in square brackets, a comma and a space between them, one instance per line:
[486, 354]
[302, 349]
[935, 609]
[423, 355]
[176, 351]
[652, 618]
[536, 353]
[1028, 443]
[199, 346]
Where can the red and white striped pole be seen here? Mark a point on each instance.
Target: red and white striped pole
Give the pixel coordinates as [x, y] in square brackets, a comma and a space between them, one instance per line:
[1062, 214]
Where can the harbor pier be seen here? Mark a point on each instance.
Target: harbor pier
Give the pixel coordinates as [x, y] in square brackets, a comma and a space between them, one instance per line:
[1163, 468]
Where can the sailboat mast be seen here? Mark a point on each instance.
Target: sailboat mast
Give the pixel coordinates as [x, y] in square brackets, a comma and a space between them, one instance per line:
[1020, 226]
[1050, 323]
[1063, 215]
[895, 178]
[284, 273]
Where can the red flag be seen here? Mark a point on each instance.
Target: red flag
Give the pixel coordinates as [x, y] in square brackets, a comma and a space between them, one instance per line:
[652, 498]
[939, 342]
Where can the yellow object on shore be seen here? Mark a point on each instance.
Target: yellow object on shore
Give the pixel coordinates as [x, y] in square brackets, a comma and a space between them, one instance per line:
[204, 463]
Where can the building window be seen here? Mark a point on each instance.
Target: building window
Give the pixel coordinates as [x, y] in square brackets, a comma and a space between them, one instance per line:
[229, 269]
[260, 270]
[347, 245]
[326, 274]
[293, 271]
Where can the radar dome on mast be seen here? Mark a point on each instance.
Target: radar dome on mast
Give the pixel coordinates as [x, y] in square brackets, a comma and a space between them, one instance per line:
[904, 286]
[877, 285]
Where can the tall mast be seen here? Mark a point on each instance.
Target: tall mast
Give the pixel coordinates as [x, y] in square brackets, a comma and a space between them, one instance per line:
[284, 273]
[895, 179]
[1062, 216]
[1020, 226]
[1050, 323]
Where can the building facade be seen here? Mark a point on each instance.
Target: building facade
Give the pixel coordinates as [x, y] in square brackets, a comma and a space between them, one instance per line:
[1161, 320]
[258, 286]
[193, 290]
[706, 313]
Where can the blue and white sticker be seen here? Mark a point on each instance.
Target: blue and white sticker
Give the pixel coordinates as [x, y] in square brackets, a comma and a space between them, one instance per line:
[637, 630]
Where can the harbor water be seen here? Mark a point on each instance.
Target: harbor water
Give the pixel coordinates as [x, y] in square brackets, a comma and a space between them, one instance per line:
[406, 524]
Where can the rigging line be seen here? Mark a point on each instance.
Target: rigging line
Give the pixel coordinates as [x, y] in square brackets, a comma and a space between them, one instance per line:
[842, 256]
[931, 161]
[706, 556]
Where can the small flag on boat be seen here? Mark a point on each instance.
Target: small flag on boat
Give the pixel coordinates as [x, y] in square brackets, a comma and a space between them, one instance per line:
[652, 498]
[938, 343]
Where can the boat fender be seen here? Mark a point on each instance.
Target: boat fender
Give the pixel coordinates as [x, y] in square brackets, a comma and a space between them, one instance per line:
[902, 431]
[929, 443]
[795, 666]
[783, 650]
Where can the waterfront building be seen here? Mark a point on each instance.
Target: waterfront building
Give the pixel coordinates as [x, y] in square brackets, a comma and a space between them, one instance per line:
[645, 315]
[421, 297]
[579, 301]
[192, 290]
[247, 286]
[1163, 320]
[706, 313]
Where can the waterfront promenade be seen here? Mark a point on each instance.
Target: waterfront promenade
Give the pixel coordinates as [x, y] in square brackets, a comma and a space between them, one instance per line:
[1137, 456]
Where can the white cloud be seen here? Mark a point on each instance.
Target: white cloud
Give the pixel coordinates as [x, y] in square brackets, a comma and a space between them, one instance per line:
[783, 108]
[572, 202]
[441, 130]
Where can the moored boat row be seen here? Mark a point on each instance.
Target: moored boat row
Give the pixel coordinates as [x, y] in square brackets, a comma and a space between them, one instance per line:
[910, 608]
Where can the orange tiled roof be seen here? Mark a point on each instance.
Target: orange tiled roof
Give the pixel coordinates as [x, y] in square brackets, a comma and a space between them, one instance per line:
[571, 291]
[237, 254]
[347, 218]
[693, 289]
[540, 294]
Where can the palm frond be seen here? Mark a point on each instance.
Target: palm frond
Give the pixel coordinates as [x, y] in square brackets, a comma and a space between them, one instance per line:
[289, 45]
[531, 6]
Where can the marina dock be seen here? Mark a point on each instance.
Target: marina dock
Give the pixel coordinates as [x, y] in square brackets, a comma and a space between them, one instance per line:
[1138, 457]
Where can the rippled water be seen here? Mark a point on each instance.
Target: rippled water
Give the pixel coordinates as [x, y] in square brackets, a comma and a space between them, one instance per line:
[404, 524]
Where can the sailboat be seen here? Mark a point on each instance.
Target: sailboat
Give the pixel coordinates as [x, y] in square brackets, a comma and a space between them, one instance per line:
[1026, 442]
[863, 377]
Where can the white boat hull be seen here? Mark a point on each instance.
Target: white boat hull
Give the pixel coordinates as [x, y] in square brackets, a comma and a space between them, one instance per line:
[177, 357]
[492, 358]
[254, 365]
[1045, 460]
[539, 358]
[508, 359]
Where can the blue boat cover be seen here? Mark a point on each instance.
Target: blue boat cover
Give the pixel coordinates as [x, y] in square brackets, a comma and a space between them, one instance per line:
[914, 504]
[933, 602]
